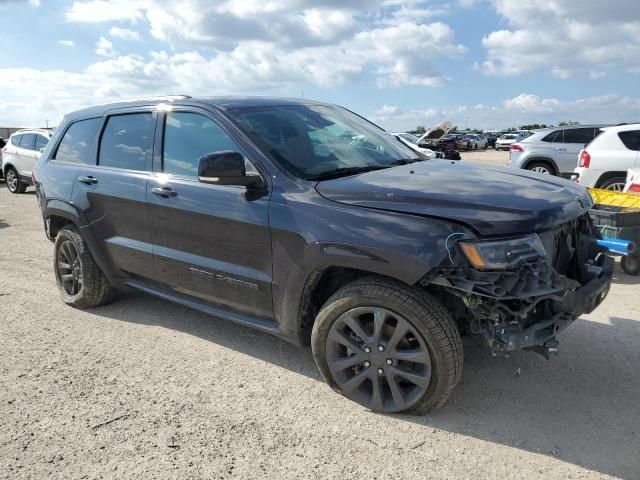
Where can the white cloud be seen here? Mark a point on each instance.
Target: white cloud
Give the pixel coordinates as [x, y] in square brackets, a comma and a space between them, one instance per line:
[104, 48]
[564, 37]
[513, 112]
[96, 11]
[124, 33]
[67, 43]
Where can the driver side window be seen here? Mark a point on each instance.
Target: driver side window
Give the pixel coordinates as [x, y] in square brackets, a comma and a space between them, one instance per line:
[189, 136]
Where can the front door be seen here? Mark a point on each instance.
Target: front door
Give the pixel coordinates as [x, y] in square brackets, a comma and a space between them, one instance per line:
[211, 242]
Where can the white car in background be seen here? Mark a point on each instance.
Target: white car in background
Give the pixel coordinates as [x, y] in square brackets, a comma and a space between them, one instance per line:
[604, 162]
[506, 140]
[20, 155]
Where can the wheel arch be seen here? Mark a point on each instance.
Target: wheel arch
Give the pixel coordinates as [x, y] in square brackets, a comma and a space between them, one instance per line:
[608, 176]
[539, 159]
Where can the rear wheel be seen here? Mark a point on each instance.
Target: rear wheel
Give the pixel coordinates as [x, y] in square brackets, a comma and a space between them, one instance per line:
[80, 281]
[541, 167]
[14, 184]
[615, 184]
[387, 346]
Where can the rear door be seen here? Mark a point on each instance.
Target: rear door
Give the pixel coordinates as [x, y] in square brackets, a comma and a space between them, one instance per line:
[575, 140]
[211, 242]
[629, 157]
[112, 191]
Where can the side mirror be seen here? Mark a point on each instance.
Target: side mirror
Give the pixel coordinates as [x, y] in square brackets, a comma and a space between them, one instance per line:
[226, 168]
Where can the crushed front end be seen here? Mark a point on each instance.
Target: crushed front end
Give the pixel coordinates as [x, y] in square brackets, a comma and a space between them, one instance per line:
[519, 293]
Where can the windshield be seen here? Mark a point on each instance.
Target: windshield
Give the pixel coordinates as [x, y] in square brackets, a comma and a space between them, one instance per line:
[311, 141]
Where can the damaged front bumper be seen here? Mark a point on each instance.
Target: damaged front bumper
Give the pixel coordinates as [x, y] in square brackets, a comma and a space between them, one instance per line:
[525, 308]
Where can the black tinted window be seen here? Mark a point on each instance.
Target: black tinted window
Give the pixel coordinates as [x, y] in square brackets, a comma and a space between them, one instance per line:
[77, 144]
[189, 136]
[27, 141]
[41, 142]
[126, 141]
[554, 137]
[579, 135]
[15, 140]
[631, 139]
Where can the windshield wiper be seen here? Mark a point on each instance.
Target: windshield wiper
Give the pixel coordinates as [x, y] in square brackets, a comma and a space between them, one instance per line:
[344, 171]
[405, 161]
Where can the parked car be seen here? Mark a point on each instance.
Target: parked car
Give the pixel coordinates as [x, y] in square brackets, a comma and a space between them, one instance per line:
[476, 142]
[604, 162]
[2, 145]
[633, 181]
[266, 212]
[20, 154]
[552, 151]
[506, 140]
[410, 140]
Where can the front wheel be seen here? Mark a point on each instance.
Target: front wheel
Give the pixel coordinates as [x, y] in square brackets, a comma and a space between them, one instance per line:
[388, 346]
[630, 265]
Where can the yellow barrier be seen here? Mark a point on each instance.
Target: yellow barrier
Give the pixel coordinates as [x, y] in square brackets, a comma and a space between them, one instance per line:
[616, 199]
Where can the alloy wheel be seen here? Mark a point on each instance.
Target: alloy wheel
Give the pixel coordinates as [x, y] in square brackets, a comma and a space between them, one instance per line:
[616, 187]
[12, 180]
[378, 359]
[541, 169]
[68, 268]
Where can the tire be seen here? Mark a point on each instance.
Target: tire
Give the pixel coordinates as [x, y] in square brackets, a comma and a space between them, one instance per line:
[630, 265]
[541, 167]
[615, 184]
[72, 262]
[14, 184]
[432, 338]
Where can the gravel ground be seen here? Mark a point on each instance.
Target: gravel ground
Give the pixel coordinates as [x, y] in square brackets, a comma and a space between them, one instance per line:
[143, 388]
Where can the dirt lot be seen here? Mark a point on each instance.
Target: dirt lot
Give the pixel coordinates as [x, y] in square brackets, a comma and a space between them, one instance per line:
[146, 389]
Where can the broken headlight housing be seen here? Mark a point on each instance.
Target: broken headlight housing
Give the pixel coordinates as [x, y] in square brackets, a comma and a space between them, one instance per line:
[503, 254]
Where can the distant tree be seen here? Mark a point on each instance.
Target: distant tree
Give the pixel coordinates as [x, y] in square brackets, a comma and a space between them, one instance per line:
[454, 129]
[567, 123]
[419, 130]
[533, 126]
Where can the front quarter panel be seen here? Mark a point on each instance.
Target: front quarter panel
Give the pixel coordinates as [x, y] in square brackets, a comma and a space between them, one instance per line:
[311, 233]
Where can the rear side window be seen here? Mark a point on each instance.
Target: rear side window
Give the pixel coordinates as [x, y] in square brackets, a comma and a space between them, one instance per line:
[554, 137]
[15, 140]
[27, 141]
[579, 135]
[41, 142]
[631, 139]
[189, 136]
[126, 141]
[77, 144]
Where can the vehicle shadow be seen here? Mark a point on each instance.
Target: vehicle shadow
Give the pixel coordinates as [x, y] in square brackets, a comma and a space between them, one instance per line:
[3, 224]
[580, 407]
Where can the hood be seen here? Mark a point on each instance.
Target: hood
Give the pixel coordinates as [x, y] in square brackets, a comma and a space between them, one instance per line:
[436, 132]
[491, 200]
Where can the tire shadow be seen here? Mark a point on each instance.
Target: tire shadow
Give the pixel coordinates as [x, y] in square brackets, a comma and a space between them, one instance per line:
[580, 407]
[3, 224]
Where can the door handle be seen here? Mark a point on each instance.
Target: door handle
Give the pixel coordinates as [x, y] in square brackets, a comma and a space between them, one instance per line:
[164, 192]
[88, 180]
[561, 149]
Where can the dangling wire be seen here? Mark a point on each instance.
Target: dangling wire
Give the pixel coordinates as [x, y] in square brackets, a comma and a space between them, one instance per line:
[446, 245]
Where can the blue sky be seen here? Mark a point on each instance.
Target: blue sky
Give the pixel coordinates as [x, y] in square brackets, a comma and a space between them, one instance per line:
[479, 63]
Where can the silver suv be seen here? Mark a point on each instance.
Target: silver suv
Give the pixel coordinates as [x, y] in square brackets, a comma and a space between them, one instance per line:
[552, 150]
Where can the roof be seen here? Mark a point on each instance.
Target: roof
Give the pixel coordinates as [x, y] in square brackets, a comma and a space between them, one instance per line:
[624, 127]
[222, 103]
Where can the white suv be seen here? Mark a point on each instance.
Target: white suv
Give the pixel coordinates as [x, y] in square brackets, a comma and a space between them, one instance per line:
[604, 162]
[19, 156]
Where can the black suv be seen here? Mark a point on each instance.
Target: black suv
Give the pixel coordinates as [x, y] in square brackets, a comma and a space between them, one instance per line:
[307, 221]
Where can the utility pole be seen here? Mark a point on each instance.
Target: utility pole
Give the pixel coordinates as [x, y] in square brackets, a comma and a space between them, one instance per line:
[47, 123]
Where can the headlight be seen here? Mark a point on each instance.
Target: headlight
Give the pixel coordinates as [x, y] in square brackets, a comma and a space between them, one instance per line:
[503, 254]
